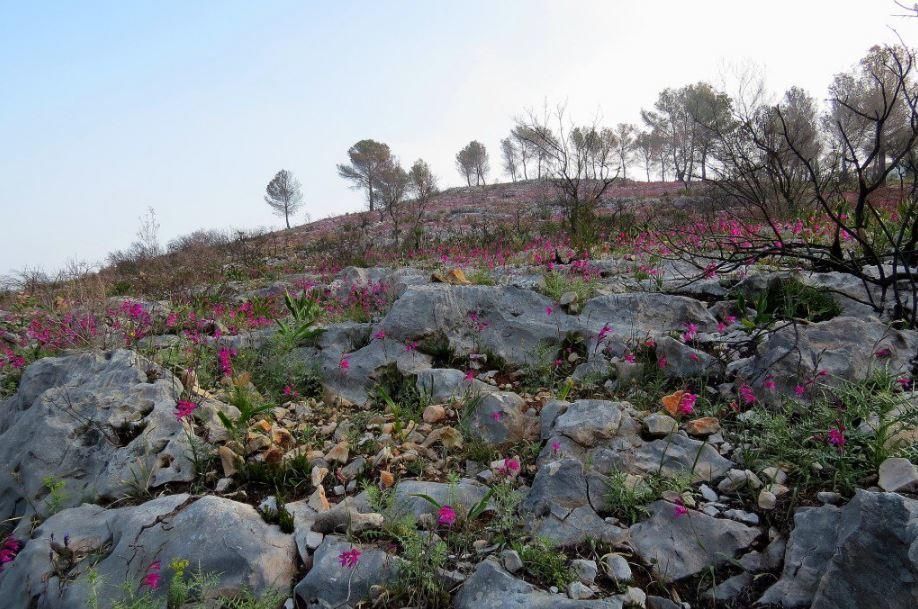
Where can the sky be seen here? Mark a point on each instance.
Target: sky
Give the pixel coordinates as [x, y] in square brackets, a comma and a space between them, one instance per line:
[110, 108]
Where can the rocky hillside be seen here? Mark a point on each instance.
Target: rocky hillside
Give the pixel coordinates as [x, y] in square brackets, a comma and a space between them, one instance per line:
[549, 430]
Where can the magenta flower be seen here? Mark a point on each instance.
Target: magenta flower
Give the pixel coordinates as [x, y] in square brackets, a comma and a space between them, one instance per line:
[549, 310]
[904, 382]
[184, 408]
[883, 353]
[556, 448]
[603, 333]
[629, 357]
[225, 359]
[152, 578]
[446, 516]
[349, 558]
[800, 390]
[837, 436]
[691, 330]
[345, 364]
[687, 403]
[497, 415]
[470, 375]
[290, 391]
[379, 335]
[9, 549]
[747, 395]
[680, 510]
[661, 362]
[769, 383]
[410, 346]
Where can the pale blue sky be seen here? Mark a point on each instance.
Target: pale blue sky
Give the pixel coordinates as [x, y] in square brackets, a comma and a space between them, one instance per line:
[108, 108]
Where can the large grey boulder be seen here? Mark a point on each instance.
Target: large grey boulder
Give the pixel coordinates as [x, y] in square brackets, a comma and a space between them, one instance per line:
[642, 313]
[864, 554]
[846, 348]
[491, 587]
[94, 421]
[225, 539]
[445, 384]
[499, 418]
[679, 545]
[331, 584]
[508, 321]
[354, 382]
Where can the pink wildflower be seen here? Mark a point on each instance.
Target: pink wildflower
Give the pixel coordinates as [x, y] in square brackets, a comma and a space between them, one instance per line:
[691, 330]
[225, 359]
[555, 447]
[883, 353]
[687, 403]
[379, 335]
[410, 346]
[9, 549]
[349, 558]
[661, 362]
[446, 516]
[680, 510]
[904, 382]
[747, 395]
[497, 415]
[184, 408]
[629, 357]
[603, 333]
[549, 310]
[345, 364]
[152, 578]
[837, 436]
[800, 390]
[769, 383]
[470, 375]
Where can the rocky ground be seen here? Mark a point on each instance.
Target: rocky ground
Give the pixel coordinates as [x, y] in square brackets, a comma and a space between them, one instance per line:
[571, 438]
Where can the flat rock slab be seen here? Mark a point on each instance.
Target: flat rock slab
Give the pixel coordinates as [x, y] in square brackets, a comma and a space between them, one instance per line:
[93, 421]
[225, 538]
[864, 554]
[329, 584]
[679, 546]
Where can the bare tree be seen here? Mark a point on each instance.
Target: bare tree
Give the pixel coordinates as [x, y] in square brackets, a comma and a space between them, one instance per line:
[472, 162]
[510, 156]
[368, 159]
[422, 186]
[393, 186]
[283, 194]
[626, 142]
[582, 163]
[650, 148]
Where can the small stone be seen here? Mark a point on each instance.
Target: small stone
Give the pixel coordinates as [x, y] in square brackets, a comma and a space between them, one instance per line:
[567, 298]
[511, 560]
[767, 500]
[708, 493]
[585, 569]
[829, 497]
[283, 438]
[617, 567]
[742, 516]
[318, 475]
[703, 426]
[228, 460]
[223, 484]
[339, 490]
[386, 479]
[318, 501]
[314, 539]
[634, 597]
[434, 413]
[354, 468]
[659, 424]
[775, 474]
[577, 591]
[274, 455]
[268, 505]
[898, 474]
[339, 453]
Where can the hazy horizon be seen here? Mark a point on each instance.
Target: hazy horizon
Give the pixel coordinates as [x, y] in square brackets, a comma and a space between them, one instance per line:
[191, 109]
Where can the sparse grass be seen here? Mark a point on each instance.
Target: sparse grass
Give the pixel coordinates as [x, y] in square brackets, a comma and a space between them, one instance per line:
[796, 436]
[557, 284]
[627, 499]
[544, 563]
[481, 277]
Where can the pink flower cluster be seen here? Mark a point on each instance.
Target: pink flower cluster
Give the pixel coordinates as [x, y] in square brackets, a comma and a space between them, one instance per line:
[225, 357]
[349, 558]
[9, 549]
[152, 577]
[446, 516]
[184, 408]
